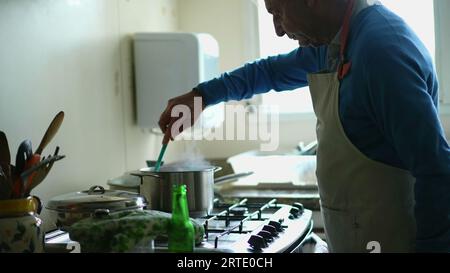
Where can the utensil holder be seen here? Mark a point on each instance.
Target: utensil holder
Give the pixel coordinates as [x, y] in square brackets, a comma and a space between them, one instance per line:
[20, 226]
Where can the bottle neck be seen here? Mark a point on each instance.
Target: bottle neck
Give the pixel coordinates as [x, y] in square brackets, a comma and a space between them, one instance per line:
[180, 210]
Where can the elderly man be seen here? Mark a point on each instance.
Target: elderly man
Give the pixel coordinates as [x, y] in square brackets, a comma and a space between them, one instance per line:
[383, 163]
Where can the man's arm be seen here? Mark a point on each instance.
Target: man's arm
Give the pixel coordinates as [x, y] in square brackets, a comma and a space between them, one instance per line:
[400, 81]
[282, 72]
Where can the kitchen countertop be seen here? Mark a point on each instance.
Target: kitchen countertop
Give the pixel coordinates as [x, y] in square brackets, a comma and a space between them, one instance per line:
[308, 197]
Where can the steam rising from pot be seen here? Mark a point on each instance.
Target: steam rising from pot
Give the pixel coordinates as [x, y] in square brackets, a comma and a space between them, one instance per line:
[190, 160]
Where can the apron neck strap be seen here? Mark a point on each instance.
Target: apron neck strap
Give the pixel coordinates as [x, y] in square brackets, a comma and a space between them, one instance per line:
[344, 66]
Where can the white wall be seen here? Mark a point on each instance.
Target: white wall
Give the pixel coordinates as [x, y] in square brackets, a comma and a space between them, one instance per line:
[75, 55]
[224, 20]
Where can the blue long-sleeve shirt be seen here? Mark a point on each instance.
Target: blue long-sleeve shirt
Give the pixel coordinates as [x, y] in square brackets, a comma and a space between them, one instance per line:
[388, 107]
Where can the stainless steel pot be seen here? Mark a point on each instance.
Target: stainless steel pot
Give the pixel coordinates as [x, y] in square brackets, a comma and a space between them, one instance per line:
[157, 187]
[70, 208]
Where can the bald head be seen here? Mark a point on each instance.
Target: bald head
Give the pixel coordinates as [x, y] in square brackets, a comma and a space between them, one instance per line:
[310, 22]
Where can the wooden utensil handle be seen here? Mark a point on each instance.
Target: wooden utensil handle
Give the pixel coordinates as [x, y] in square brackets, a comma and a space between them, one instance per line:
[51, 132]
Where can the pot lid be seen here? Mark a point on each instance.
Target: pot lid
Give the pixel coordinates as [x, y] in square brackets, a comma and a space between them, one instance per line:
[96, 198]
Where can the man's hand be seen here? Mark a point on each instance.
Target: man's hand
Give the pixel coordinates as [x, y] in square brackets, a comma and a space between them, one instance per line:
[166, 120]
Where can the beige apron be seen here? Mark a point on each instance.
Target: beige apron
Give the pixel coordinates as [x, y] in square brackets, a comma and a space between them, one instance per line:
[364, 203]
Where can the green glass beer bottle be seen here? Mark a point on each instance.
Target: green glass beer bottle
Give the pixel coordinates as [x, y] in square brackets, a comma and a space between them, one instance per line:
[181, 229]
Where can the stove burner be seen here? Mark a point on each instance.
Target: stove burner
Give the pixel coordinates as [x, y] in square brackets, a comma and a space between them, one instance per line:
[252, 227]
[239, 211]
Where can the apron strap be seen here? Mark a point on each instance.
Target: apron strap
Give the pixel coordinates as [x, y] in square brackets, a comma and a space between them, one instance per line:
[344, 66]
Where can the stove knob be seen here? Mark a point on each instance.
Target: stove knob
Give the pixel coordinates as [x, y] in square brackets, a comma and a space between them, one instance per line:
[271, 229]
[257, 242]
[281, 220]
[294, 212]
[277, 226]
[266, 235]
[300, 207]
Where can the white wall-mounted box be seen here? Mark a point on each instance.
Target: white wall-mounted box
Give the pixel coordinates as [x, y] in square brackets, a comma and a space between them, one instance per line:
[168, 65]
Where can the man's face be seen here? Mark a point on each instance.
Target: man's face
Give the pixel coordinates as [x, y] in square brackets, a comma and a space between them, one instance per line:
[295, 19]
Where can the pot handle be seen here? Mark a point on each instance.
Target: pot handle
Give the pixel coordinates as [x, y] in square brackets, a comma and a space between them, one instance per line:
[141, 174]
[96, 190]
[230, 177]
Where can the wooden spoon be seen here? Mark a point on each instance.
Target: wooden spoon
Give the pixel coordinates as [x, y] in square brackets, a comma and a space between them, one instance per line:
[48, 136]
[51, 132]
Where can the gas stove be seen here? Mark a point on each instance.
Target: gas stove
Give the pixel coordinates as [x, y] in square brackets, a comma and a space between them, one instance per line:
[249, 227]
[240, 227]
